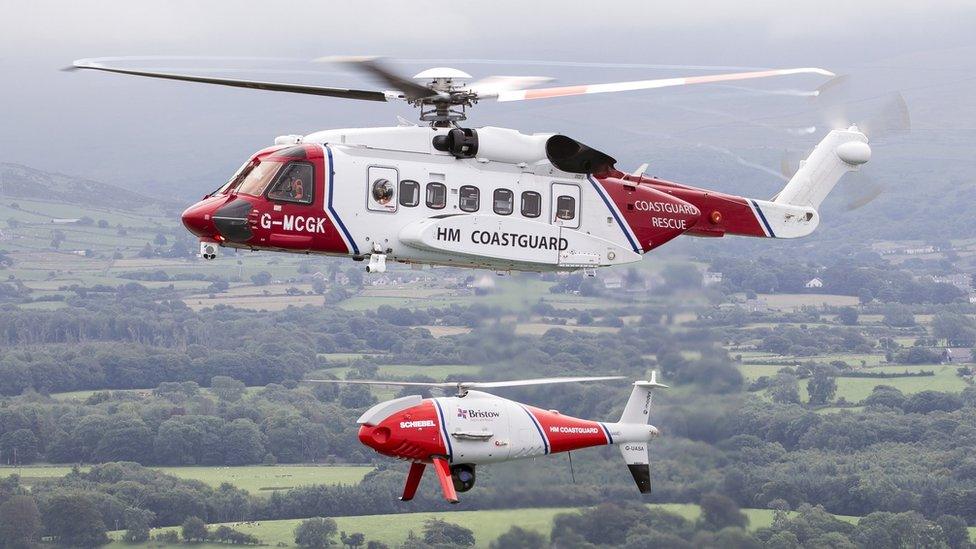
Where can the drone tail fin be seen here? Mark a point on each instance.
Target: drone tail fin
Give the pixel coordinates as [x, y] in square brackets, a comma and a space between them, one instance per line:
[635, 419]
[638, 405]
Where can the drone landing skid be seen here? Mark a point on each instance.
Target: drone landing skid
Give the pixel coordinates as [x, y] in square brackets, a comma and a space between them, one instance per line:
[443, 470]
[413, 480]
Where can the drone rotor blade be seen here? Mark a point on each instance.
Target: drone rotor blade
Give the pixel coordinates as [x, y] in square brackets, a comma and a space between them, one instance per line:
[363, 95]
[389, 383]
[564, 91]
[464, 385]
[537, 381]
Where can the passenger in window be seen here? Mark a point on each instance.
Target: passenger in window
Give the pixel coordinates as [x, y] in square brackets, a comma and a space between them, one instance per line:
[382, 191]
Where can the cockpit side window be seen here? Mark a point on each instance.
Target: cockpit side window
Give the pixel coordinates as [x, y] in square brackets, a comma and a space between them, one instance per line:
[294, 184]
[257, 178]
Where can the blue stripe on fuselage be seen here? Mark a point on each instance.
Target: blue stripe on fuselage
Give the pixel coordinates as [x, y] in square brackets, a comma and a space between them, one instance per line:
[355, 249]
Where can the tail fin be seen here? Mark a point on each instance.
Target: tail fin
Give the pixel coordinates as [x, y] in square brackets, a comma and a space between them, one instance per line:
[639, 404]
[793, 212]
[838, 153]
[637, 411]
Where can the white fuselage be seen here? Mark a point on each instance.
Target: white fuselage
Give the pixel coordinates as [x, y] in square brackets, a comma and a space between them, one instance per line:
[571, 226]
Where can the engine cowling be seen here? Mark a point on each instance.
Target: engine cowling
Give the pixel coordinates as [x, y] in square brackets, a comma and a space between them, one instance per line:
[514, 147]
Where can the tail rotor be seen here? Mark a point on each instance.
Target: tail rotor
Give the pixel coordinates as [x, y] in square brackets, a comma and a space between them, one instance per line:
[878, 117]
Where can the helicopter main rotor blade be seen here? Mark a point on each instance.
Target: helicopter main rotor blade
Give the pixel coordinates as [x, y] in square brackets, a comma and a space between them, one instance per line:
[371, 65]
[346, 93]
[564, 91]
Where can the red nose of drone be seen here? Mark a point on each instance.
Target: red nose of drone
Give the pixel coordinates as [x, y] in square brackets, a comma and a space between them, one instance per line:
[375, 437]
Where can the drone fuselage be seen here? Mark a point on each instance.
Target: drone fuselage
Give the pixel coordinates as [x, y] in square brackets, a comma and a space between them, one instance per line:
[481, 428]
[390, 194]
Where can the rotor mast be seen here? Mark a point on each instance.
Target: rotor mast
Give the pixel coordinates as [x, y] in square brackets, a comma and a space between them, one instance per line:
[448, 106]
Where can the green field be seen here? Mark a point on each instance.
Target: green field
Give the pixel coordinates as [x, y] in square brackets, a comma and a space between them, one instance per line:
[256, 479]
[511, 293]
[856, 360]
[486, 525]
[795, 301]
[855, 389]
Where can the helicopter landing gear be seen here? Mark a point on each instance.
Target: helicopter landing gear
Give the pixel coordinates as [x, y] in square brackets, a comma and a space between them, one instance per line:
[377, 263]
[208, 250]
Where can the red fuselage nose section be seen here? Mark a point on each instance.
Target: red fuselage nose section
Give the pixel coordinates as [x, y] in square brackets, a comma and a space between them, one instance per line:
[198, 218]
[413, 433]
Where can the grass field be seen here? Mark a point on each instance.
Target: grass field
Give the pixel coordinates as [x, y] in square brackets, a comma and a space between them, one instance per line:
[857, 360]
[855, 389]
[486, 525]
[261, 479]
[795, 301]
[516, 293]
[257, 479]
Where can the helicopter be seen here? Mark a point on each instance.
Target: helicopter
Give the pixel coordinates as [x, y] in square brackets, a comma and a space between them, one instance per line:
[457, 433]
[489, 197]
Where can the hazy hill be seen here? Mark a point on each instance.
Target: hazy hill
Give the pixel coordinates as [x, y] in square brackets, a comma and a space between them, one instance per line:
[17, 181]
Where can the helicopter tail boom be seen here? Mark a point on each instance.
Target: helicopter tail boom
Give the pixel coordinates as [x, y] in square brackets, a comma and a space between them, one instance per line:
[793, 212]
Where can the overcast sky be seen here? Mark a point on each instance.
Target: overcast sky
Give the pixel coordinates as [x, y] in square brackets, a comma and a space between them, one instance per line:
[129, 129]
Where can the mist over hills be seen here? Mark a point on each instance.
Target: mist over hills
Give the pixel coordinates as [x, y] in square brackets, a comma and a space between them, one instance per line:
[22, 182]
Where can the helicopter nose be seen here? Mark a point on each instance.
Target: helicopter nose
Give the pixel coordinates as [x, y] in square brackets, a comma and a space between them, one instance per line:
[197, 220]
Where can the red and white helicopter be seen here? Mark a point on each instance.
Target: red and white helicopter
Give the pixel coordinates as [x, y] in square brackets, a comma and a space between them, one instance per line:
[490, 197]
[459, 432]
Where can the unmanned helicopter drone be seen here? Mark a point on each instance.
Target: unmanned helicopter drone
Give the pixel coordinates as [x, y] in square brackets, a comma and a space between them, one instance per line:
[459, 432]
[494, 198]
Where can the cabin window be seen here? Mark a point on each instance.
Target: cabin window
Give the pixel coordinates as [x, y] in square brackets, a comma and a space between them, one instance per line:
[469, 198]
[531, 204]
[436, 196]
[503, 201]
[382, 191]
[565, 208]
[256, 179]
[294, 184]
[409, 193]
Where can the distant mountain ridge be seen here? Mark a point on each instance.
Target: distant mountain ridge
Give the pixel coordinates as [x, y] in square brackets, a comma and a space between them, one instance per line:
[23, 182]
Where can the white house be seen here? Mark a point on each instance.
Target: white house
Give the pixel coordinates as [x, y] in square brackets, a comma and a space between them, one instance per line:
[710, 278]
[814, 283]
